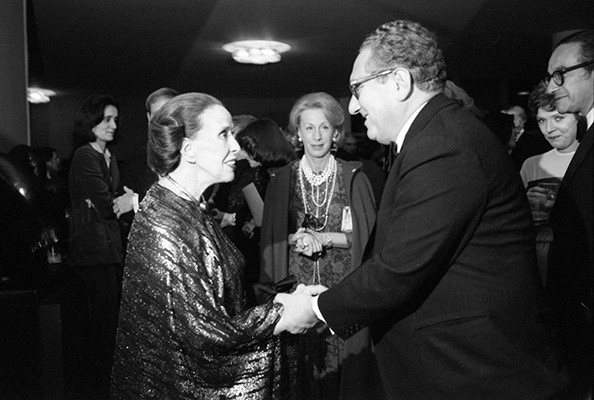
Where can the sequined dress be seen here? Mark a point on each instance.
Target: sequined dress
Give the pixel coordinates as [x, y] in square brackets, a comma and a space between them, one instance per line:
[184, 331]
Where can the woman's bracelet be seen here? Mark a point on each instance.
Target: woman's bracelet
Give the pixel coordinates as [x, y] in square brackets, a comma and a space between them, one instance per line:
[328, 241]
[327, 237]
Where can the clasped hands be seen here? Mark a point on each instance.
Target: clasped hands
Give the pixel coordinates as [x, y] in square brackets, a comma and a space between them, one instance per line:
[306, 242]
[125, 203]
[298, 314]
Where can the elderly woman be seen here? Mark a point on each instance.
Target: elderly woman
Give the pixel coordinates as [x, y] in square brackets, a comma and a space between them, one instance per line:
[184, 330]
[318, 214]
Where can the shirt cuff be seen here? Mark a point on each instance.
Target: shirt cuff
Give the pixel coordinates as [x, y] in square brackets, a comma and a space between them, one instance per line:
[316, 309]
[135, 205]
[314, 305]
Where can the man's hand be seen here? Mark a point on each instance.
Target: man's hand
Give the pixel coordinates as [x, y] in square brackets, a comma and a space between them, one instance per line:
[313, 290]
[298, 314]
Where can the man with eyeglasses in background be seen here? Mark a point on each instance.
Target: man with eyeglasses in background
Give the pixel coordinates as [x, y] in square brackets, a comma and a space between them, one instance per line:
[571, 265]
[451, 291]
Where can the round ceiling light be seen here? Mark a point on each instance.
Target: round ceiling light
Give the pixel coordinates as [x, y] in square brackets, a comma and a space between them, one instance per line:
[38, 95]
[256, 51]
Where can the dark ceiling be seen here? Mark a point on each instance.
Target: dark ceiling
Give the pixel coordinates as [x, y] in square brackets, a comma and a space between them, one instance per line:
[139, 45]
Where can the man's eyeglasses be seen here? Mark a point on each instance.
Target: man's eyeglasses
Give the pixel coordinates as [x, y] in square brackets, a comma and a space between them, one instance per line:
[558, 75]
[356, 84]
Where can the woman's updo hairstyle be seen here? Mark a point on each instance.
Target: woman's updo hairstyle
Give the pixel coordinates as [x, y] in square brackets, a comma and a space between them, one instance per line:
[179, 118]
[320, 100]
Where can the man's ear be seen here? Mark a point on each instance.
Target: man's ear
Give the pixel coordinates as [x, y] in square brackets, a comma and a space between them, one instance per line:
[404, 83]
[187, 151]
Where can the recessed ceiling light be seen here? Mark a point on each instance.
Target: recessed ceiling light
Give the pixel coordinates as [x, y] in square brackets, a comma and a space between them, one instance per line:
[256, 51]
[38, 95]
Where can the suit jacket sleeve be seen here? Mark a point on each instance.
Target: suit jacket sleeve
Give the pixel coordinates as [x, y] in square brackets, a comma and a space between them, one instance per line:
[363, 211]
[431, 205]
[275, 227]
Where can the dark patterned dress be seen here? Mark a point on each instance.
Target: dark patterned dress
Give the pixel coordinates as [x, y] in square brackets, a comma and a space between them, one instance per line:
[184, 331]
[319, 352]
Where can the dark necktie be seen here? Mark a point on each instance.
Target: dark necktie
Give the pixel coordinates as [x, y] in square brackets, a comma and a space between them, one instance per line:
[390, 155]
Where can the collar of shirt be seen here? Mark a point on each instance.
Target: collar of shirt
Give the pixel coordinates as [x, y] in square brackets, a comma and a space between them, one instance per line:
[590, 117]
[519, 135]
[406, 126]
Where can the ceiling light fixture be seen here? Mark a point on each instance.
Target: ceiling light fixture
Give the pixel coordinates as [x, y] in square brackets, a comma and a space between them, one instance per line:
[38, 95]
[256, 51]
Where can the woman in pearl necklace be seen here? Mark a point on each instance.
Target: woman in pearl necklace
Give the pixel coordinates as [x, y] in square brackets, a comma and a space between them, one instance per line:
[318, 214]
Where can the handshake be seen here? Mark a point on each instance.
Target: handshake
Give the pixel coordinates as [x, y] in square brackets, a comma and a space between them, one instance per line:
[298, 312]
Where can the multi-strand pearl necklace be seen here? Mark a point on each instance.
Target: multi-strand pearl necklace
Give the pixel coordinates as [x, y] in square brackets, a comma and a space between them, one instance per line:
[316, 181]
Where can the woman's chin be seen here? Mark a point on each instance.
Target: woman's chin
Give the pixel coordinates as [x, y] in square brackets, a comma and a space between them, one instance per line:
[228, 177]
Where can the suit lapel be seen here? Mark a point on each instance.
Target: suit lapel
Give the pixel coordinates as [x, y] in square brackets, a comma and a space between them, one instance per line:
[107, 171]
[114, 174]
[579, 156]
[433, 106]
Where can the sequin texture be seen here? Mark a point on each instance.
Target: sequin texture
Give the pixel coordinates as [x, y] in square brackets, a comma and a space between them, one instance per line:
[184, 330]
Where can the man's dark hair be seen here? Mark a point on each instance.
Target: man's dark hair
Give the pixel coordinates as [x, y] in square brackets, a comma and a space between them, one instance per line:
[585, 39]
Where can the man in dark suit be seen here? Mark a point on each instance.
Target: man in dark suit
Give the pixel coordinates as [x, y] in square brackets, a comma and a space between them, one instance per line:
[451, 292]
[571, 269]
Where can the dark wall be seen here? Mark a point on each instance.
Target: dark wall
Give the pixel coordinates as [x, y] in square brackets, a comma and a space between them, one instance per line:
[13, 75]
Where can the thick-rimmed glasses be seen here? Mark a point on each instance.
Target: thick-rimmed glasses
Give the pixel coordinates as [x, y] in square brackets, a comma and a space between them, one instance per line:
[558, 75]
[356, 84]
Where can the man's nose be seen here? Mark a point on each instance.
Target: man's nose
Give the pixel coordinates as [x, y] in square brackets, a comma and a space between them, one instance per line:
[354, 105]
[552, 86]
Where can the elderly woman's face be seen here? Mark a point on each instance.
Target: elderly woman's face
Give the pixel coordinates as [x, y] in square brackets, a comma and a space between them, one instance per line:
[215, 147]
[316, 132]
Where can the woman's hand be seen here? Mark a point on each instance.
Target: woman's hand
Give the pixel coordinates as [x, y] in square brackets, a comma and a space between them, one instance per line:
[126, 202]
[248, 228]
[228, 220]
[305, 243]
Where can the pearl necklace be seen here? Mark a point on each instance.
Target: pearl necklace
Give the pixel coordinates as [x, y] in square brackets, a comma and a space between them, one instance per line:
[315, 199]
[317, 179]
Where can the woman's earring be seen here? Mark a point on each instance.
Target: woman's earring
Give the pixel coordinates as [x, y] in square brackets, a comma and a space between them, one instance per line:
[300, 140]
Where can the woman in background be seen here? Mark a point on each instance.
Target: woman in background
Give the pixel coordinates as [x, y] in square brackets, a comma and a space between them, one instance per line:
[560, 130]
[263, 146]
[95, 247]
[318, 215]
